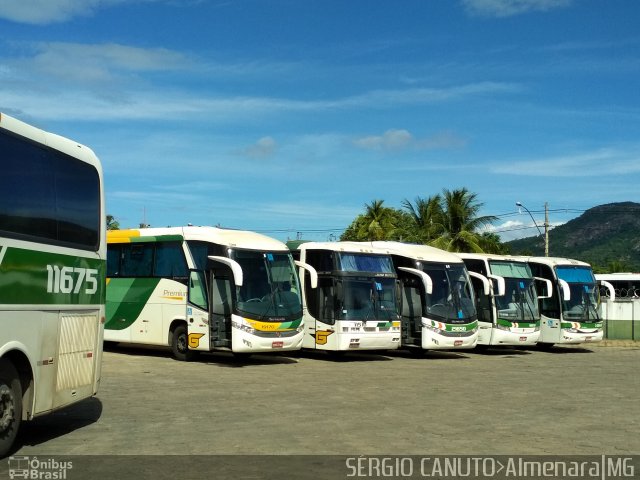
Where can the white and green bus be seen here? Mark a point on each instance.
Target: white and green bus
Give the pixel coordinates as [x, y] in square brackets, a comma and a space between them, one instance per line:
[508, 314]
[437, 299]
[202, 289]
[354, 306]
[52, 274]
[570, 315]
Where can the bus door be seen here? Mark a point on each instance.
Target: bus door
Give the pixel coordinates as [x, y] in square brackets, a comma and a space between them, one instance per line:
[198, 334]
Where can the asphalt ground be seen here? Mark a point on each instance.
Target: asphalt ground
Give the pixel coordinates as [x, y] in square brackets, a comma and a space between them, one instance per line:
[565, 401]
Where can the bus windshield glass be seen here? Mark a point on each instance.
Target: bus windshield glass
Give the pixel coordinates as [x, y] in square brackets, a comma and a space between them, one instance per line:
[358, 262]
[366, 298]
[520, 302]
[452, 298]
[583, 304]
[270, 290]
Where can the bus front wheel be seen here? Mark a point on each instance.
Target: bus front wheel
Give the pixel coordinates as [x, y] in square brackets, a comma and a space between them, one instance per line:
[180, 344]
[10, 405]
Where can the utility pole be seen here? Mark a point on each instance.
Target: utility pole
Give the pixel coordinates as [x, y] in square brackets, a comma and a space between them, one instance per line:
[546, 229]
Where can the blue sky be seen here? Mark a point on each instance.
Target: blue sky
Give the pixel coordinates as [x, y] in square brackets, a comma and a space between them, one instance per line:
[287, 116]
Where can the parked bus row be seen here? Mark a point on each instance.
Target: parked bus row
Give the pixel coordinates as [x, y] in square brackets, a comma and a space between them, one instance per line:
[202, 288]
[205, 289]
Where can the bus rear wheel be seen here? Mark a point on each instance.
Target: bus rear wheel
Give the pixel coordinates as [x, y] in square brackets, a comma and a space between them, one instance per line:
[180, 344]
[10, 405]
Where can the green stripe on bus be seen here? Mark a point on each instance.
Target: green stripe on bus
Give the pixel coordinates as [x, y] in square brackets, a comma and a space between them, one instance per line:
[158, 238]
[126, 297]
[29, 277]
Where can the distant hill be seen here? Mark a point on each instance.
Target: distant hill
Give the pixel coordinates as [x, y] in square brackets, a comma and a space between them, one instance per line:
[600, 236]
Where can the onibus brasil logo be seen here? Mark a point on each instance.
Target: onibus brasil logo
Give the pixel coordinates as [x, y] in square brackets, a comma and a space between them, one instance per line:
[35, 468]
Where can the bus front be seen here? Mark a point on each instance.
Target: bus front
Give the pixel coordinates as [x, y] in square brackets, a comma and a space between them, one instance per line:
[354, 305]
[579, 301]
[449, 317]
[243, 300]
[517, 320]
[268, 307]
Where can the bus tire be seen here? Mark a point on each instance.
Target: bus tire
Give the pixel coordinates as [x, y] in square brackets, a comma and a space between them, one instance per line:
[180, 344]
[10, 405]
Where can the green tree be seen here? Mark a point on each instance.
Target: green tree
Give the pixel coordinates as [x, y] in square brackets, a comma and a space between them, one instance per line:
[112, 223]
[377, 222]
[427, 218]
[461, 222]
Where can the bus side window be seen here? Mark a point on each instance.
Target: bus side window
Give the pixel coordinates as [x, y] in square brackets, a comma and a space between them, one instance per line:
[114, 253]
[170, 262]
[137, 260]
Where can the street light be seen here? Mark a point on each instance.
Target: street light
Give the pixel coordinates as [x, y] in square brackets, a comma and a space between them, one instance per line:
[546, 226]
[519, 204]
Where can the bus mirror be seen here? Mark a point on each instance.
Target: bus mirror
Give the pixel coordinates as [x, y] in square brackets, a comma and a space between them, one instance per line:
[548, 287]
[486, 288]
[611, 291]
[426, 279]
[313, 275]
[566, 291]
[236, 269]
[501, 289]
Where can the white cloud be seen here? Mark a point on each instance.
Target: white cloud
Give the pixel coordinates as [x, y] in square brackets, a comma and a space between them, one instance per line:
[264, 147]
[507, 8]
[602, 162]
[398, 139]
[98, 63]
[41, 12]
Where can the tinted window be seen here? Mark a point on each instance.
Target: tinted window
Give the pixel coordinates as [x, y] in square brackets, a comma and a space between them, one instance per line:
[170, 261]
[47, 195]
[137, 260]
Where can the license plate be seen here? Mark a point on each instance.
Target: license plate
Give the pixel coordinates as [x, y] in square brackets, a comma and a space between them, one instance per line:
[457, 343]
[277, 344]
[523, 339]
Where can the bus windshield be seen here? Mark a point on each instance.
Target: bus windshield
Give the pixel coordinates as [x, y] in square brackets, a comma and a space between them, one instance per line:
[270, 290]
[366, 298]
[520, 302]
[452, 298]
[583, 304]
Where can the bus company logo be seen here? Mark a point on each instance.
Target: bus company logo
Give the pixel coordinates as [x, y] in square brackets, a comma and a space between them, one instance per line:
[321, 336]
[35, 468]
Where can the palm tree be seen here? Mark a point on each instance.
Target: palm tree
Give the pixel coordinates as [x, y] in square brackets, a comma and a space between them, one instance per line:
[427, 216]
[377, 222]
[461, 223]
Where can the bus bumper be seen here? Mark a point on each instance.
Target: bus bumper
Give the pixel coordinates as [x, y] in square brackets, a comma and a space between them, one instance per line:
[515, 336]
[243, 342]
[436, 341]
[569, 337]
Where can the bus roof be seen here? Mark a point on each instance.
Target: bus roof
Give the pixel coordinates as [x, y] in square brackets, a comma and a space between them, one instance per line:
[350, 247]
[557, 261]
[494, 256]
[418, 252]
[221, 236]
[626, 276]
[62, 144]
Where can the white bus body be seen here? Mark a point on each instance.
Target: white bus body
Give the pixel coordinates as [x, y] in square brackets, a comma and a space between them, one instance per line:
[508, 314]
[202, 289]
[438, 304]
[52, 265]
[354, 305]
[570, 315]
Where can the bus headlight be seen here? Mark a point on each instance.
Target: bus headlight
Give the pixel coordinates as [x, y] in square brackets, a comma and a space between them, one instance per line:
[244, 328]
[503, 327]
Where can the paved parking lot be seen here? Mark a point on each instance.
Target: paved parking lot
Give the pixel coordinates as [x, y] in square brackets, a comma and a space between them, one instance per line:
[568, 400]
[499, 402]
